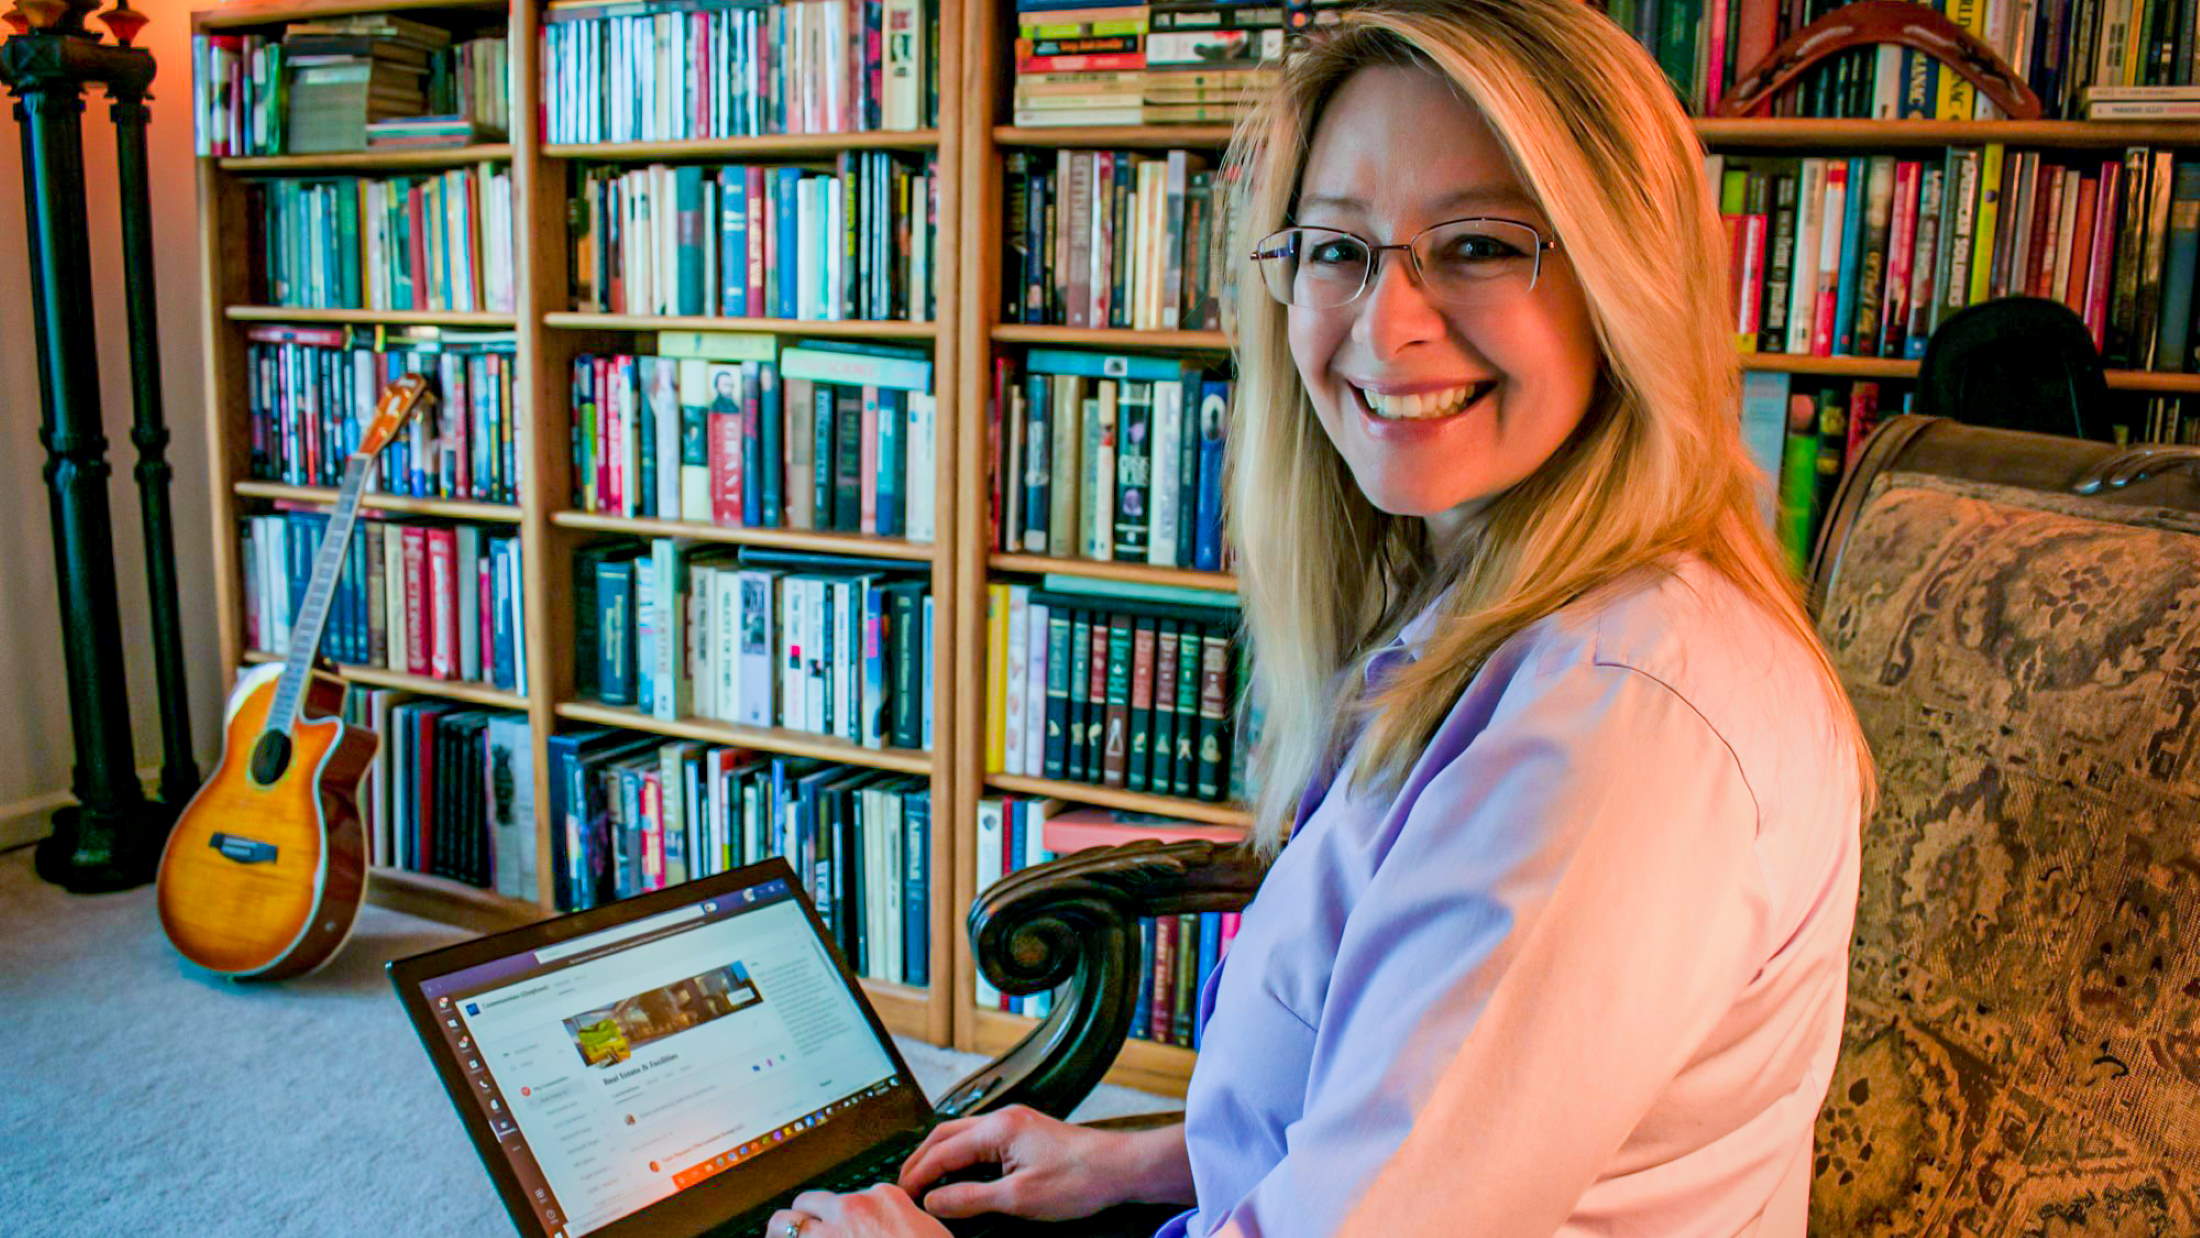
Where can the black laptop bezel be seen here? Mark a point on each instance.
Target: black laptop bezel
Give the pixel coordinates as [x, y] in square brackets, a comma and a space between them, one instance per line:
[723, 1197]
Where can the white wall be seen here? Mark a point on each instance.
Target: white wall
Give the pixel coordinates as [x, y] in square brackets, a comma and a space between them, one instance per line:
[36, 755]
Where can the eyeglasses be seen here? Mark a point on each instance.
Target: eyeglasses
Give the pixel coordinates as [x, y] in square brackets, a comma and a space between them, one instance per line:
[1459, 262]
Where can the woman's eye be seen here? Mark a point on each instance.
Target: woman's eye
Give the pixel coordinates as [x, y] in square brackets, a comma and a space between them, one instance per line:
[1476, 249]
[1334, 253]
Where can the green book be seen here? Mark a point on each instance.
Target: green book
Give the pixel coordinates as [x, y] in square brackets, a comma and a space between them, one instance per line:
[1799, 482]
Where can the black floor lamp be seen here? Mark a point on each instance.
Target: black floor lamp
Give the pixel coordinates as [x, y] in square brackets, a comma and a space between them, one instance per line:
[111, 838]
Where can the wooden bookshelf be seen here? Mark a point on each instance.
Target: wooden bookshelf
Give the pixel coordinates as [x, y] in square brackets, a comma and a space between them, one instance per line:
[1100, 569]
[548, 334]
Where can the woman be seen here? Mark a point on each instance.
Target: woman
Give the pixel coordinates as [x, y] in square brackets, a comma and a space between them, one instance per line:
[1559, 940]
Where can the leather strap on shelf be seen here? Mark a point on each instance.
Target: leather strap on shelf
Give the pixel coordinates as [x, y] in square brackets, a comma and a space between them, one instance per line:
[1869, 23]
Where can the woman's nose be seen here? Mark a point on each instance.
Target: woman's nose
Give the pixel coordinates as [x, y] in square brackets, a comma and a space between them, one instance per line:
[1396, 311]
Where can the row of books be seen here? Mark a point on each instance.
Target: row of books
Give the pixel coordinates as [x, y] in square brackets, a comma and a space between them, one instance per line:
[856, 241]
[450, 792]
[1176, 954]
[433, 241]
[668, 70]
[1108, 457]
[324, 84]
[1866, 255]
[1115, 238]
[2082, 58]
[425, 598]
[732, 429]
[630, 813]
[817, 643]
[1115, 685]
[1080, 62]
[310, 392]
[1805, 435]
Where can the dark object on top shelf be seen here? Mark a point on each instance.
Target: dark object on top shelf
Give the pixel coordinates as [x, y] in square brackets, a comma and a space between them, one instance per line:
[2017, 363]
[1869, 23]
[2011, 614]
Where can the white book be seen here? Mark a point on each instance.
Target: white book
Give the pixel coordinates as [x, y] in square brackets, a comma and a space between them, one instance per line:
[809, 240]
[702, 631]
[660, 380]
[816, 668]
[725, 644]
[794, 694]
[695, 398]
[1167, 442]
[847, 672]
[923, 412]
[875, 656]
[393, 594]
[754, 675]
[518, 621]
[509, 790]
[1035, 689]
[871, 835]
[990, 825]
[1012, 705]
[1810, 201]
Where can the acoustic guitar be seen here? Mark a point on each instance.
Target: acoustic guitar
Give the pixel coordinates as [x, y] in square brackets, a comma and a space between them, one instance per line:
[264, 870]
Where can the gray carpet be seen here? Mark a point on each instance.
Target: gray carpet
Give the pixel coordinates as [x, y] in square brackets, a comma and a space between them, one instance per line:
[141, 1096]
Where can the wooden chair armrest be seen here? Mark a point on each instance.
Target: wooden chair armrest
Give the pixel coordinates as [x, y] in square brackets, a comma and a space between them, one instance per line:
[1071, 925]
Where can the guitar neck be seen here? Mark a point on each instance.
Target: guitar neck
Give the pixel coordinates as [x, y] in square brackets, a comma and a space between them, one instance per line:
[305, 630]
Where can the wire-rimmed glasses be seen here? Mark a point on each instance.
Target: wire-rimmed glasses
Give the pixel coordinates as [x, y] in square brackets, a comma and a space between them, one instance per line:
[1459, 261]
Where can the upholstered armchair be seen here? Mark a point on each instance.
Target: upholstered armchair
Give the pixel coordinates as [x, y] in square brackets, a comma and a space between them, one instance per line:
[2017, 618]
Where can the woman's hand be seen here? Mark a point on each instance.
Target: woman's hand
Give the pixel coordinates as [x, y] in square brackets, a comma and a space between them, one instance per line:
[882, 1211]
[1050, 1170]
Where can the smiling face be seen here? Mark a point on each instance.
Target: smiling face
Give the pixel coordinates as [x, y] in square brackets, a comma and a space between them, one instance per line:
[1435, 405]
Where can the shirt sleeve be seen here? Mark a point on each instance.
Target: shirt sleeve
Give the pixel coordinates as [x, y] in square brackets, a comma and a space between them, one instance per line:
[1570, 905]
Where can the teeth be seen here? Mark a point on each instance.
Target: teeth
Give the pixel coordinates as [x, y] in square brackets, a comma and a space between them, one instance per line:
[1423, 405]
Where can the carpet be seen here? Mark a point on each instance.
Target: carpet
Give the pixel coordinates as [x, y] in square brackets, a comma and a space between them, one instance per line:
[140, 1095]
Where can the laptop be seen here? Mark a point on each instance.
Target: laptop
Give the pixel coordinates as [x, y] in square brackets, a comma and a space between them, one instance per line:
[681, 1063]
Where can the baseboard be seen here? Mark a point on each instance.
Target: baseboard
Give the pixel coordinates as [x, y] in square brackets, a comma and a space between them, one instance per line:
[28, 820]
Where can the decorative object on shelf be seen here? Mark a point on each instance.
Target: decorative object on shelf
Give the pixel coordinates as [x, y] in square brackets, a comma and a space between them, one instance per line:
[266, 866]
[110, 838]
[1871, 22]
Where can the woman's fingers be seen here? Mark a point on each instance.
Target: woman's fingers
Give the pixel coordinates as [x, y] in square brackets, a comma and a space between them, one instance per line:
[784, 1218]
[969, 1199]
[973, 1145]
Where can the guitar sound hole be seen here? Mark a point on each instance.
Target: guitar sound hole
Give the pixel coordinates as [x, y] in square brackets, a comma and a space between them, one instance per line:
[270, 757]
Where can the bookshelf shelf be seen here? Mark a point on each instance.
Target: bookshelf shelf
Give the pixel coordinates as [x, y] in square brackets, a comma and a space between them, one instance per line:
[1110, 337]
[900, 1007]
[770, 145]
[783, 539]
[1143, 1064]
[2159, 382]
[375, 677]
[366, 160]
[452, 902]
[241, 13]
[1142, 137]
[1116, 797]
[453, 509]
[768, 739]
[1135, 573]
[844, 328]
[1892, 134]
[369, 317]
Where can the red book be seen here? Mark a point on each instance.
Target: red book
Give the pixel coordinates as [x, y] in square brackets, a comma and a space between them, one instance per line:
[759, 226]
[1161, 1011]
[416, 600]
[1229, 930]
[1081, 829]
[1089, 62]
[2072, 293]
[1829, 277]
[485, 611]
[1141, 726]
[2040, 241]
[724, 446]
[1754, 229]
[1894, 312]
[1716, 56]
[1004, 374]
[1863, 415]
[653, 832]
[443, 596]
[2102, 267]
[867, 457]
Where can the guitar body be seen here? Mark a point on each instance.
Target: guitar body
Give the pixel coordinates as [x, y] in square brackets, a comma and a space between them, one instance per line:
[261, 881]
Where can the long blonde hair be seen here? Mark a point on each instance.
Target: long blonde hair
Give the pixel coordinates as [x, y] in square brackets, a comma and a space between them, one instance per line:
[1657, 469]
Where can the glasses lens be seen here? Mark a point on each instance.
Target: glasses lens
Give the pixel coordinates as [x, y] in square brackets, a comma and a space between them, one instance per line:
[1476, 258]
[1312, 268]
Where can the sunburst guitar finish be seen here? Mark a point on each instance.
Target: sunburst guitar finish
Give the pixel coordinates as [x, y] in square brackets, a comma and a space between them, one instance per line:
[264, 870]
[263, 881]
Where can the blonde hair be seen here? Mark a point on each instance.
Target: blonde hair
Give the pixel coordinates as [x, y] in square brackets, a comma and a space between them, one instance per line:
[1657, 469]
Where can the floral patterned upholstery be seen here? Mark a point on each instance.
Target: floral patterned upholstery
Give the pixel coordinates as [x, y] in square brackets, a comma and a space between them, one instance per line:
[2022, 1050]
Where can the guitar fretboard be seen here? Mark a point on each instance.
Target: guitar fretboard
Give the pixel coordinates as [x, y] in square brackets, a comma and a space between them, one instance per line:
[305, 630]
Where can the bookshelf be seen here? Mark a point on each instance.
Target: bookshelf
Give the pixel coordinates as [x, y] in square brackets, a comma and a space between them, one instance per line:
[964, 334]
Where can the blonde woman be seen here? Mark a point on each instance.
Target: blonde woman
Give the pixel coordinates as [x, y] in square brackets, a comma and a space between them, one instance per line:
[1562, 793]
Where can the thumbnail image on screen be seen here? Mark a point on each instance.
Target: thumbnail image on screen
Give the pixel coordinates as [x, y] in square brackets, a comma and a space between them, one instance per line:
[607, 1035]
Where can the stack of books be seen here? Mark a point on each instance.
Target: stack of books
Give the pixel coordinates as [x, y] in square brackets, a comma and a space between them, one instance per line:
[2141, 102]
[1176, 953]
[1116, 458]
[429, 598]
[1085, 62]
[854, 242]
[670, 70]
[436, 241]
[1116, 685]
[1115, 238]
[348, 72]
[632, 813]
[804, 642]
[311, 390]
[450, 792]
[1866, 255]
[730, 429]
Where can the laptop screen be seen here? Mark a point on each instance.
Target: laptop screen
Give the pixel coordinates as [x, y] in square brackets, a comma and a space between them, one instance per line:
[624, 1065]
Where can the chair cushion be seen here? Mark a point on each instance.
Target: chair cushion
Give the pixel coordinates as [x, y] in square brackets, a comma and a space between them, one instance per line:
[2022, 1048]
